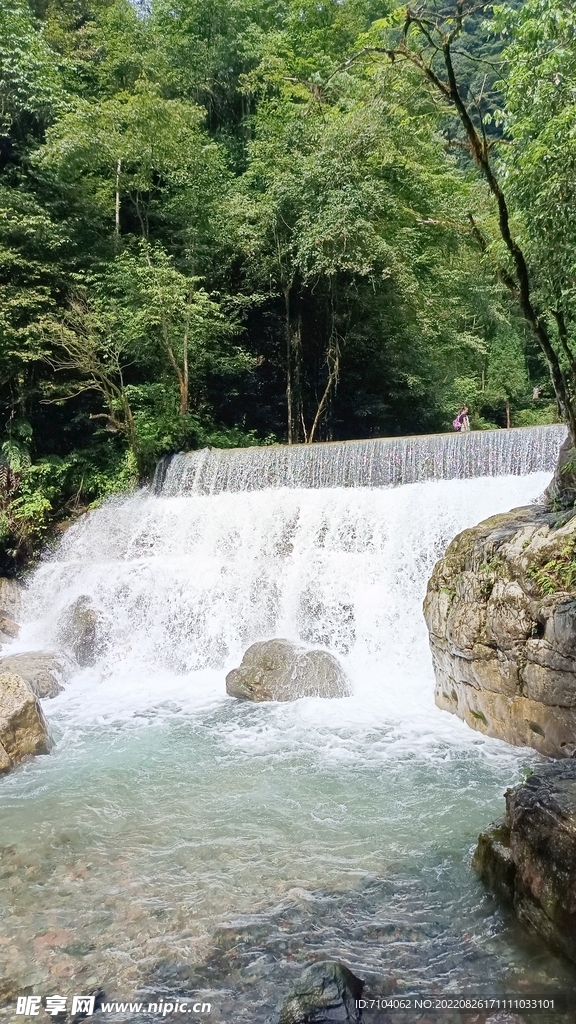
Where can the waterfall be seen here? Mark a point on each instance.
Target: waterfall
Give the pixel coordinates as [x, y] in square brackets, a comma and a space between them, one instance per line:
[382, 462]
[182, 581]
[168, 814]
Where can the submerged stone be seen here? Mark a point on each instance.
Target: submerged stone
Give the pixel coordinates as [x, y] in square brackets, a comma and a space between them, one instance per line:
[282, 670]
[327, 994]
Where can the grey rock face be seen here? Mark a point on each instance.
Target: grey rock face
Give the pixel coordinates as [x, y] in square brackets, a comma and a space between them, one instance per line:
[82, 632]
[42, 671]
[326, 994]
[9, 629]
[23, 729]
[281, 670]
[10, 598]
[10, 606]
[501, 614]
[530, 857]
[561, 492]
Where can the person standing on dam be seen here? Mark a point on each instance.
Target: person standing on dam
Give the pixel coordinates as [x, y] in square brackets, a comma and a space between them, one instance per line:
[462, 423]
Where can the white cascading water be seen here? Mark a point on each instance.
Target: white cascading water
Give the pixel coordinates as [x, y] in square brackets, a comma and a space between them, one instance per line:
[380, 462]
[184, 585]
[180, 798]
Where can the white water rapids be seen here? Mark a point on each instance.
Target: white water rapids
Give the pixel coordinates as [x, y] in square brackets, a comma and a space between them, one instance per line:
[169, 815]
[184, 585]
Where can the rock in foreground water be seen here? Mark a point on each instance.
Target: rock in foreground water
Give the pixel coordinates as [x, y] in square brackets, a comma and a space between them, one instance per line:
[326, 994]
[530, 857]
[23, 729]
[501, 613]
[282, 670]
[42, 671]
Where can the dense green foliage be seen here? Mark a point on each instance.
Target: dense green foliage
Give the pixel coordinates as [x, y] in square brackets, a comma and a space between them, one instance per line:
[217, 226]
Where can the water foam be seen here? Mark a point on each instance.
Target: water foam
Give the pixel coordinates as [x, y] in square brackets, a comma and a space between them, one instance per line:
[378, 462]
[185, 584]
[168, 811]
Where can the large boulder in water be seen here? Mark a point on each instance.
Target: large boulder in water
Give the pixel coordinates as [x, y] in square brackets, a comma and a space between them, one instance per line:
[42, 671]
[501, 613]
[23, 729]
[561, 491]
[529, 858]
[282, 670]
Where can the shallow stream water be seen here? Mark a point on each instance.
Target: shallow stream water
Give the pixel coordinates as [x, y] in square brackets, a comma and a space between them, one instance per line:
[178, 840]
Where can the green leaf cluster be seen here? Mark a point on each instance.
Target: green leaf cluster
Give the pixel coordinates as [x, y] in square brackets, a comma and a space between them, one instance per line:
[219, 226]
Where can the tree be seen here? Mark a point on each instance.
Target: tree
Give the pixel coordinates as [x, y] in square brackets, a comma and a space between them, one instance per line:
[349, 206]
[164, 312]
[427, 40]
[506, 378]
[94, 355]
[539, 117]
[132, 157]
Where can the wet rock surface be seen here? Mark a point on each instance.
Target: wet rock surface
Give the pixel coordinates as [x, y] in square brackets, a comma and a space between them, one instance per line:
[10, 597]
[42, 671]
[501, 615]
[328, 993]
[23, 729]
[10, 606]
[530, 857]
[246, 968]
[82, 631]
[9, 629]
[561, 491]
[282, 670]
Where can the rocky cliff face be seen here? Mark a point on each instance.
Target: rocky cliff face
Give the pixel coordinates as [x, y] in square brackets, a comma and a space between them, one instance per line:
[501, 613]
[530, 857]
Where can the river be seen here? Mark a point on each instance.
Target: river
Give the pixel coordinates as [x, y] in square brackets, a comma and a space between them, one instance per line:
[178, 840]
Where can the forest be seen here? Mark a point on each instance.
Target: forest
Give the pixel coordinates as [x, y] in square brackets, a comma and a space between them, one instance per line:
[238, 222]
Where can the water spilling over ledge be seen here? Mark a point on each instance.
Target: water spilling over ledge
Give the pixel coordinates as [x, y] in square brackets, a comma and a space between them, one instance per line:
[379, 462]
[173, 827]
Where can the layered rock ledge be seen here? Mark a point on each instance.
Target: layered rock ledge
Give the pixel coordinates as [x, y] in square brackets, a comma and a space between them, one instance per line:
[42, 671]
[501, 613]
[529, 859]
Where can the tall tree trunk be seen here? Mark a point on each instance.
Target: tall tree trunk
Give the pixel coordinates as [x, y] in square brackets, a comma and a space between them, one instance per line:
[117, 225]
[332, 366]
[184, 390]
[438, 43]
[520, 286]
[297, 404]
[333, 373]
[289, 389]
